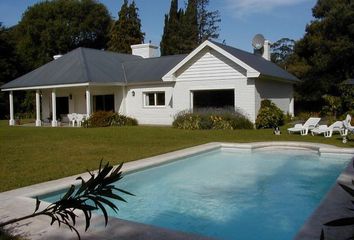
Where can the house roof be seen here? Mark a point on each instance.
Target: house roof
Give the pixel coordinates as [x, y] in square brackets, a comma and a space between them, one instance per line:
[82, 65]
[257, 62]
[150, 69]
[254, 65]
[91, 66]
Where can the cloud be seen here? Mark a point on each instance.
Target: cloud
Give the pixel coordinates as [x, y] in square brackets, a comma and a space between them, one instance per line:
[241, 8]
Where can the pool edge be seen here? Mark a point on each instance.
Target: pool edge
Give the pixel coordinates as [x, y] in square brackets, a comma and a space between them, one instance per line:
[22, 197]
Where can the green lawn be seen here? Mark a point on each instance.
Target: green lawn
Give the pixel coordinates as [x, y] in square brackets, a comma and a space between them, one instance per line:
[31, 155]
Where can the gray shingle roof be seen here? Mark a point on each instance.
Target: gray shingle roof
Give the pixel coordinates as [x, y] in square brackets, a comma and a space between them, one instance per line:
[150, 69]
[257, 62]
[82, 65]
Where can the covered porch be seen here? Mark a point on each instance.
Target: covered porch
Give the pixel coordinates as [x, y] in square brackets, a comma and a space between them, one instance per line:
[53, 104]
[81, 81]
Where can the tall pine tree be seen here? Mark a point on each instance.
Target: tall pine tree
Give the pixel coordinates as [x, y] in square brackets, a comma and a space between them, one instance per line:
[171, 38]
[208, 21]
[189, 30]
[126, 31]
[184, 30]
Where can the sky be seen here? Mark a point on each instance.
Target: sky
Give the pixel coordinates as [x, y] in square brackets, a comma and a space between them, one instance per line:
[240, 19]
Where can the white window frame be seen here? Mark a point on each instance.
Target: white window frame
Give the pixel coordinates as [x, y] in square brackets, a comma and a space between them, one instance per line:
[145, 95]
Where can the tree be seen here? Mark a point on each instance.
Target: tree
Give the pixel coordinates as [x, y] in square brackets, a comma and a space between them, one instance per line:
[323, 57]
[184, 30]
[93, 194]
[52, 27]
[189, 27]
[10, 66]
[281, 51]
[207, 22]
[171, 38]
[126, 31]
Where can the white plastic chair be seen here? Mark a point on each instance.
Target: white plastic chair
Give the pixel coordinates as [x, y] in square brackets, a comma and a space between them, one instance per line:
[327, 131]
[311, 123]
[72, 118]
[79, 119]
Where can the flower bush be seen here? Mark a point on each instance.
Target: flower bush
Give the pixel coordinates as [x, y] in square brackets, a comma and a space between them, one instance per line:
[187, 120]
[212, 118]
[106, 119]
[269, 115]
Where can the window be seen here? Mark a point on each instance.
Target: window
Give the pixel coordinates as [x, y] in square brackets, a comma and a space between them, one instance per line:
[222, 98]
[155, 99]
[103, 103]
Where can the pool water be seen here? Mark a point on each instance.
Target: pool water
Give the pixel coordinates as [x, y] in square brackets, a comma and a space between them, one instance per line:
[231, 194]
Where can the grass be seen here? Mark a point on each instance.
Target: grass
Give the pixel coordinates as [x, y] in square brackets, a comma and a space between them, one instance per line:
[31, 155]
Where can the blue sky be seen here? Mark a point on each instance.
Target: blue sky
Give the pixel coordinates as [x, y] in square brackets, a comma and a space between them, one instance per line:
[241, 19]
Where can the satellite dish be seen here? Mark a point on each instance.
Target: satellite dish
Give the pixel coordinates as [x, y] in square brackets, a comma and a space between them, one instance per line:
[258, 41]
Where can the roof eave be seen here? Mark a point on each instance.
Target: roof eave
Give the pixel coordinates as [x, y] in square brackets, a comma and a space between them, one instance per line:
[268, 77]
[61, 86]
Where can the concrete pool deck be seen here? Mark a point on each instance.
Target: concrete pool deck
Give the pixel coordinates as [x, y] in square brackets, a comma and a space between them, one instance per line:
[20, 202]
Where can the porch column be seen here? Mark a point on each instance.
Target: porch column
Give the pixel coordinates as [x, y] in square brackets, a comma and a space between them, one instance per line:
[11, 101]
[38, 109]
[54, 109]
[88, 102]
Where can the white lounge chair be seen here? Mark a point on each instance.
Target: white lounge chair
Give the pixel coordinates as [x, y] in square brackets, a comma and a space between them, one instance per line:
[327, 131]
[311, 123]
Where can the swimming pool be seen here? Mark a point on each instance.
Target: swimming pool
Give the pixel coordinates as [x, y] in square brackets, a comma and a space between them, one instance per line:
[231, 194]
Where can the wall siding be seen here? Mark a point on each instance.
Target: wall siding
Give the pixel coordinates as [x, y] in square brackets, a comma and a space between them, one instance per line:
[278, 92]
[160, 115]
[210, 70]
[210, 65]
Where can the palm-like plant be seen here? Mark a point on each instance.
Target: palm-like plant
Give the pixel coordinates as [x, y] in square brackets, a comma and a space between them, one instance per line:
[94, 194]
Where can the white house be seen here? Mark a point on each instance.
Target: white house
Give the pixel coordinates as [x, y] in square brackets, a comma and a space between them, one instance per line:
[154, 89]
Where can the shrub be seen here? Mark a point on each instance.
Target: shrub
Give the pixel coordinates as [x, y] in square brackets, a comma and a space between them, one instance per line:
[306, 115]
[218, 122]
[211, 118]
[288, 118]
[187, 120]
[121, 120]
[269, 115]
[106, 119]
[241, 122]
[205, 122]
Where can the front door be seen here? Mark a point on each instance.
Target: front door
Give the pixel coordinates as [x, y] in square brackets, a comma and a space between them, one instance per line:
[62, 104]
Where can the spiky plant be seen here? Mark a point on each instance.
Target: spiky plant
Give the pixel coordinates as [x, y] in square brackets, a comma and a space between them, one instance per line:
[91, 195]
